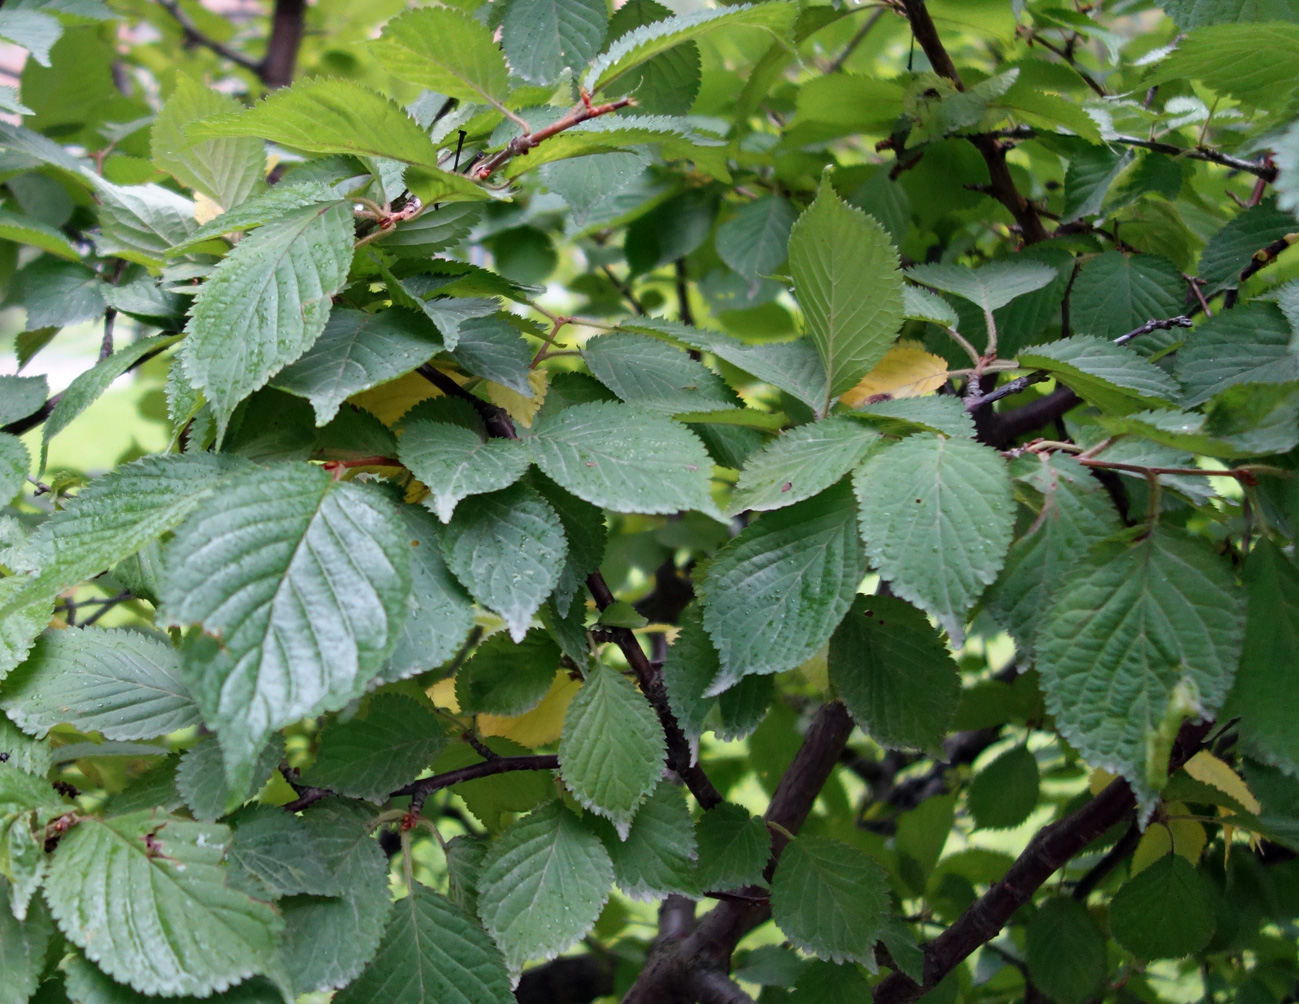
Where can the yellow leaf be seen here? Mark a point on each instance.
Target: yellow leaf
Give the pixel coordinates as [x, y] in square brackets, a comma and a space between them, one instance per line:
[443, 694]
[906, 370]
[1208, 769]
[1099, 780]
[1189, 836]
[543, 723]
[205, 209]
[389, 401]
[522, 409]
[1155, 843]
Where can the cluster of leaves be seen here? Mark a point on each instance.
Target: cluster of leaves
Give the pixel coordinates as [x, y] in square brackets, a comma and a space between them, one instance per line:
[891, 384]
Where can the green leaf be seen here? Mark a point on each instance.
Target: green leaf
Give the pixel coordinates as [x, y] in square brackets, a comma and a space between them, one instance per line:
[1004, 793]
[1246, 61]
[691, 665]
[919, 304]
[225, 170]
[830, 900]
[357, 351]
[1232, 247]
[657, 857]
[1065, 951]
[25, 614]
[200, 779]
[304, 580]
[34, 31]
[542, 38]
[321, 115]
[491, 346]
[641, 44]
[123, 684]
[1263, 696]
[378, 751]
[433, 230]
[754, 240]
[89, 386]
[801, 463]
[145, 898]
[20, 396]
[507, 550]
[112, 519]
[504, 678]
[542, 886]
[1248, 345]
[624, 459]
[1286, 156]
[794, 367]
[846, 277]
[668, 83]
[455, 462]
[937, 518]
[22, 951]
[1165, 911]
[651, 374]
[1193, 13]
[260, 209]
[25, 230]
[85, 984]
[495, 800]
[775, 594]
[827, 983]
[611, 751]
[734, 848]
[1115, 378]
[1075, 513]
[1115, 293]
[440, 613]
[1135, 625]
[1092, 169]
[432, 951]
[587, 536]
[15, 462]
[266, 304]
[992, 286]
[894, 674]
[58, 293]
[327, 941]
[445, 51]
[275, 854]
[141, 222]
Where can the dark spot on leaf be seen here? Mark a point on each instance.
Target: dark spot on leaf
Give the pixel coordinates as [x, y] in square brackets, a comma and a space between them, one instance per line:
[787, 486]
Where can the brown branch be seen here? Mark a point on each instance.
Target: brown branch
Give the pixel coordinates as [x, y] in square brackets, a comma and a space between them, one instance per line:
[276, 67]
[1263, 170]
[671, 973]
[1001, 184]
[575, 980]
[421, 789]
[497, 420]
[520, 145]
[1037, 376]
[711, 987]
[1046, 853]
[650, 678]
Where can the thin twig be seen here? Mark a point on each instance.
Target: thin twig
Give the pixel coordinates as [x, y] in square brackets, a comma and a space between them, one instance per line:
[196, 36]
[421, 789]
[860, 36]
[1000, 183]
[520, 145]
[624, 289]
[1037, 376]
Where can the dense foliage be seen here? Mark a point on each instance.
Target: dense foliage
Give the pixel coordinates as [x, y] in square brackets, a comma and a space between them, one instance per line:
[781, 501]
